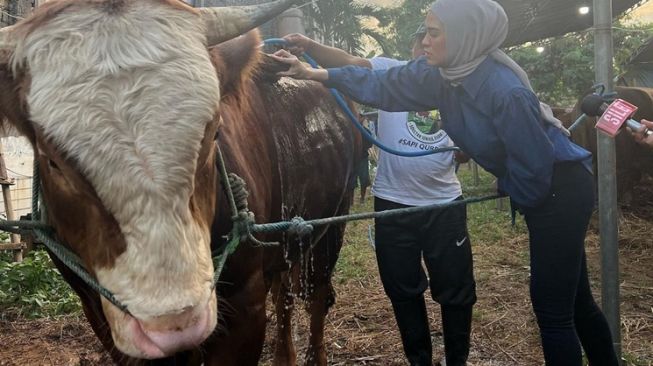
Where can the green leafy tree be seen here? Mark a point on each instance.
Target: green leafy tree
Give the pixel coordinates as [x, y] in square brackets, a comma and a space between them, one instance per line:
[400, 24]
[341, 24]
[627, 41]
[564, 69]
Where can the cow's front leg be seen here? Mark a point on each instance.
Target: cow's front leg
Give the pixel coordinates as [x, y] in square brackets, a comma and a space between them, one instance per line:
[284, 350]
[239, 337]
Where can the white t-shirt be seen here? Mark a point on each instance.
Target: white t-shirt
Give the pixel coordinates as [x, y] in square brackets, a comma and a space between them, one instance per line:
[413, 181]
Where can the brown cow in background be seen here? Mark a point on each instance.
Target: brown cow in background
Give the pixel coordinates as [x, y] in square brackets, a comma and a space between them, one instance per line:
[122, 101]
[633, 160]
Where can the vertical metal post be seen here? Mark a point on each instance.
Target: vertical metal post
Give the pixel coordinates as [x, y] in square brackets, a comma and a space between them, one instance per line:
[476, 180]
[290, 21]
[607, 180]
[6, 183]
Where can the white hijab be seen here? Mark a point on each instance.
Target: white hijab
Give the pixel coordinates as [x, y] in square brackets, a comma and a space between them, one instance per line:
[474, 30]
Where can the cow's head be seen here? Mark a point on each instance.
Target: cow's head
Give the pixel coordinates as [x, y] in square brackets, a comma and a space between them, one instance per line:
[120, 101]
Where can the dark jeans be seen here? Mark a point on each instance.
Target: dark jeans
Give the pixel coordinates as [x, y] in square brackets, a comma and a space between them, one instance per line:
[440, 238]
[560, 290]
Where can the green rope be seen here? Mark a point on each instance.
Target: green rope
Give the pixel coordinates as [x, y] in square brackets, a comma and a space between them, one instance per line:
[243, 219]
[221, 259]
[42, 232]
[36, 186]
[298, 221]
[224, 178]
[243, 227]
[21, 226]
[73, 262]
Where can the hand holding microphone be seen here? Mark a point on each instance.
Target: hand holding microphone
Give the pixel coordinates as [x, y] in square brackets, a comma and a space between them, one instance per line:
[643, 135]
[615, 116]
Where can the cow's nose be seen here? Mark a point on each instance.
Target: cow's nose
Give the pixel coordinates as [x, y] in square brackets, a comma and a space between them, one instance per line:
[176, 332]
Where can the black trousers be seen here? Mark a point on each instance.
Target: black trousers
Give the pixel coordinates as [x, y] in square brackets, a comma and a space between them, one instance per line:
[441, 240]
[560, 290]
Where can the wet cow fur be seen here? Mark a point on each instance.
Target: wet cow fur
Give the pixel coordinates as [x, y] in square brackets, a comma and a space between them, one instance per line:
[297, 152]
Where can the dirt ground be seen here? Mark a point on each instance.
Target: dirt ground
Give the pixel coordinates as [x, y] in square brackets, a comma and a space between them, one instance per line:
[360, 327]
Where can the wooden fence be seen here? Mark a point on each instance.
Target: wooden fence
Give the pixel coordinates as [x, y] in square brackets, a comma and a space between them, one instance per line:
[21, 197]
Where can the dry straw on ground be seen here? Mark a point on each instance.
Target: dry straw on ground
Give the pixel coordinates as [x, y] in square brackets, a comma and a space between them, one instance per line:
[361, 329]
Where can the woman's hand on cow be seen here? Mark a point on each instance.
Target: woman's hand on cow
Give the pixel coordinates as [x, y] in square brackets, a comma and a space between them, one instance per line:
[299, 70]
[298, 44]
[641, 136]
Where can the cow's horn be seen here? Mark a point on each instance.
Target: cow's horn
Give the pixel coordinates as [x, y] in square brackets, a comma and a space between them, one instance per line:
[225, 23]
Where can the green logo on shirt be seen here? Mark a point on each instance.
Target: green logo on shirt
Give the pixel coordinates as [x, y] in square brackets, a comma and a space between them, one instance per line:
[424, 126]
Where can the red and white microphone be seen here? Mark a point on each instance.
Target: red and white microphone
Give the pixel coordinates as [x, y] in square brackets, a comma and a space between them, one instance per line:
[613, 116]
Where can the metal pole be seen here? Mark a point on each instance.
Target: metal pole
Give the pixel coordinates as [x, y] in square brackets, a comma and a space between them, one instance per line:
[290, 21]
[474, 167]
[607, 180]
[6, 183]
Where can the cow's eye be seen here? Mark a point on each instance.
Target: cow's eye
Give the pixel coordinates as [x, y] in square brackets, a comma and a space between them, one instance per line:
[52, 164]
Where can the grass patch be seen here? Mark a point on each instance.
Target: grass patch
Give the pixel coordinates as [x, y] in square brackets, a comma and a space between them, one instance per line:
[34, 288]
[357, 260]
[489, 222]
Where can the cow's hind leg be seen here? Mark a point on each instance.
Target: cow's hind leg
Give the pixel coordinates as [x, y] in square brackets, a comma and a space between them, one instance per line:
[320, 293]
[284, 349]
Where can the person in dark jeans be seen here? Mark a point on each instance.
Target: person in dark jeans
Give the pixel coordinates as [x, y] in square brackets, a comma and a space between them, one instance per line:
[490, 110]
[440, 237]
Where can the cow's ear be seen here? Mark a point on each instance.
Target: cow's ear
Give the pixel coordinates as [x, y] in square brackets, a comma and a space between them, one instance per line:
[5, 56]
[13, 112]
[236, 61]
[7, 46]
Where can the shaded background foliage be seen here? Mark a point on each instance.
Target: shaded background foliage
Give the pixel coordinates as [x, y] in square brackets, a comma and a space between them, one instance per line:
[342, 24]
[565, 68]
[560, 73]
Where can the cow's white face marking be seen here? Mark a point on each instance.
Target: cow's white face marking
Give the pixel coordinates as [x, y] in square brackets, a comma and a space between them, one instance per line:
[127, 98]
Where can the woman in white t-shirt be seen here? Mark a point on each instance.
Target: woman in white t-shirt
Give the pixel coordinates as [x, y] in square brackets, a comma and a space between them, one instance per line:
[439, 237]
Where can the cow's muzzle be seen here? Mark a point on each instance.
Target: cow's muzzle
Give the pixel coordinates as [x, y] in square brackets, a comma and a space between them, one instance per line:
[165, 335]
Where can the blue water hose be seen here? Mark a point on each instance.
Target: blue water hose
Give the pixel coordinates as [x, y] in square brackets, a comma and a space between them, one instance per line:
[366, 134]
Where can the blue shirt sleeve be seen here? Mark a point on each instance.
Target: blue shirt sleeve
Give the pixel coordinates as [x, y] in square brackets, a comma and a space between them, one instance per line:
[412, 87]
[530, 154]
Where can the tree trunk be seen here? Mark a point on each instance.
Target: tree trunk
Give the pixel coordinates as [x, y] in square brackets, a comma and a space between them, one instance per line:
[18, 9]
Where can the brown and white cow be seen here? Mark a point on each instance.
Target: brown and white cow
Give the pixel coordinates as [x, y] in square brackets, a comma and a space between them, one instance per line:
[122, 101]
[632, 160]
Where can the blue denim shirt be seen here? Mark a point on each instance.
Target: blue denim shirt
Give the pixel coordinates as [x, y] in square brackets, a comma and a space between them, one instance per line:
[490, 115]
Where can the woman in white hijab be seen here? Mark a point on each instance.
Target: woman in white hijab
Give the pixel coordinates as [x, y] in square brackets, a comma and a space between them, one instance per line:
[490, 111]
